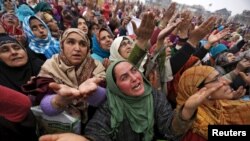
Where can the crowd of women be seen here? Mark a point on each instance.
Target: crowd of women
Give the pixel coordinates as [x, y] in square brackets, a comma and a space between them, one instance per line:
[175, 75]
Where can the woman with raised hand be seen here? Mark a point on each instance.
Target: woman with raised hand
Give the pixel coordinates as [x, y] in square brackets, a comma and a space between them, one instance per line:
[133, 108]
[220, 105]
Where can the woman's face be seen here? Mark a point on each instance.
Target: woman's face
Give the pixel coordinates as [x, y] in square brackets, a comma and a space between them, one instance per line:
[95, 29]
[10, 20]
[105, 40]
[128, 79]
[38, 29]
[8, 4]
[81, 24]
[125, 48]
[75, 49]
[230, 57]
[214, 79]
[13, 55]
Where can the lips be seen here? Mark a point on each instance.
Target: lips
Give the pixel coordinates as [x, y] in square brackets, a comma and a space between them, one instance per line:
[137, 86]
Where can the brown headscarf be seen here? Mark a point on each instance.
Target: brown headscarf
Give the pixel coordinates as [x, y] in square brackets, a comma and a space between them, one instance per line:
[60, 69]
[220, 112]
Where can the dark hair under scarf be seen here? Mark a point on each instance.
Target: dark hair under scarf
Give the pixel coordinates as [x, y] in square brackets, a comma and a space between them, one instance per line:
[15, 77]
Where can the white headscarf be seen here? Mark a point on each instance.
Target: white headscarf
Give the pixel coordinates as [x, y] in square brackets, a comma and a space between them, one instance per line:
[114, 49]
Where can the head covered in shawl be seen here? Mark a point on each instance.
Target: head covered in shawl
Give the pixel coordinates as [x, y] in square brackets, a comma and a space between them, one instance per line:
[15, 77]
[97, 49]
[24, 11]
[137, 110]
[114, 48]
[43, 7]
[48, 46]
[65, 35]
[60, 68]
[218, 112]
[11, 24]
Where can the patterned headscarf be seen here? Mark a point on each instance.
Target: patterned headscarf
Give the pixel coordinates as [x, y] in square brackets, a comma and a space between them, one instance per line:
[220, 112]
[48, 46]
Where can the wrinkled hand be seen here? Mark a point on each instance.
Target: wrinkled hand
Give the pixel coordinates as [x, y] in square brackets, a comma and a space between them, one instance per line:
[184, 27]
[167, 30]
[62, 137]
[196, 100]
[199, 33]
[106, 62]
[125, 21]
[167, 15]
[216, 36]
[89, 86]
[146, 28]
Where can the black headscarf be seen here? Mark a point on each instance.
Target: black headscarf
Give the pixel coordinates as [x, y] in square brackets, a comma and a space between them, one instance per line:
[15, 77]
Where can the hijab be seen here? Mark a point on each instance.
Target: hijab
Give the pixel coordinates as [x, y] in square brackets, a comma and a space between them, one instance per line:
[138, 110]
[220, 112]
[48, 46]
[114, 48]
[60, 69]
[15, 77]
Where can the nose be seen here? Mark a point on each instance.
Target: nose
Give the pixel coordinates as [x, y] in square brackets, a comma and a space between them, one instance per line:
[133, 77]
[13, 51]
[76, 47]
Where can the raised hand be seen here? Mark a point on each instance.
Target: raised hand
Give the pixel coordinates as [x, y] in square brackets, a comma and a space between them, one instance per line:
[146, 28]
[184, 27]
[215, 36]
[167, 15]
[194, 101]
[166, 31]
[199, 33]
[169, 28]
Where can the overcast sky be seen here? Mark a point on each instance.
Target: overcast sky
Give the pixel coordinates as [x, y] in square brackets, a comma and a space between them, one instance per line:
[236, 6]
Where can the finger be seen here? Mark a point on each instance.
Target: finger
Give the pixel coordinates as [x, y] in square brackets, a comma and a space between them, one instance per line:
[134, 27]
[54, 86]
[52, 137]
[209, 91]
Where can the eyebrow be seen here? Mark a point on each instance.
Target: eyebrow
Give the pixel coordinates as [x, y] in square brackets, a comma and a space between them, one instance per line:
[126, 72]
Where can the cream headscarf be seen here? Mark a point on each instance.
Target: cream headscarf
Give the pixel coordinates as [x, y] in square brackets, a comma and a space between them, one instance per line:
[114, 48]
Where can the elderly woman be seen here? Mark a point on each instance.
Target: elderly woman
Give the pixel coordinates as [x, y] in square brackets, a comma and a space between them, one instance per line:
[133, 109]
[16, 68]
[41, 43]
[219, 107]
[120, 48]
[71, 68]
